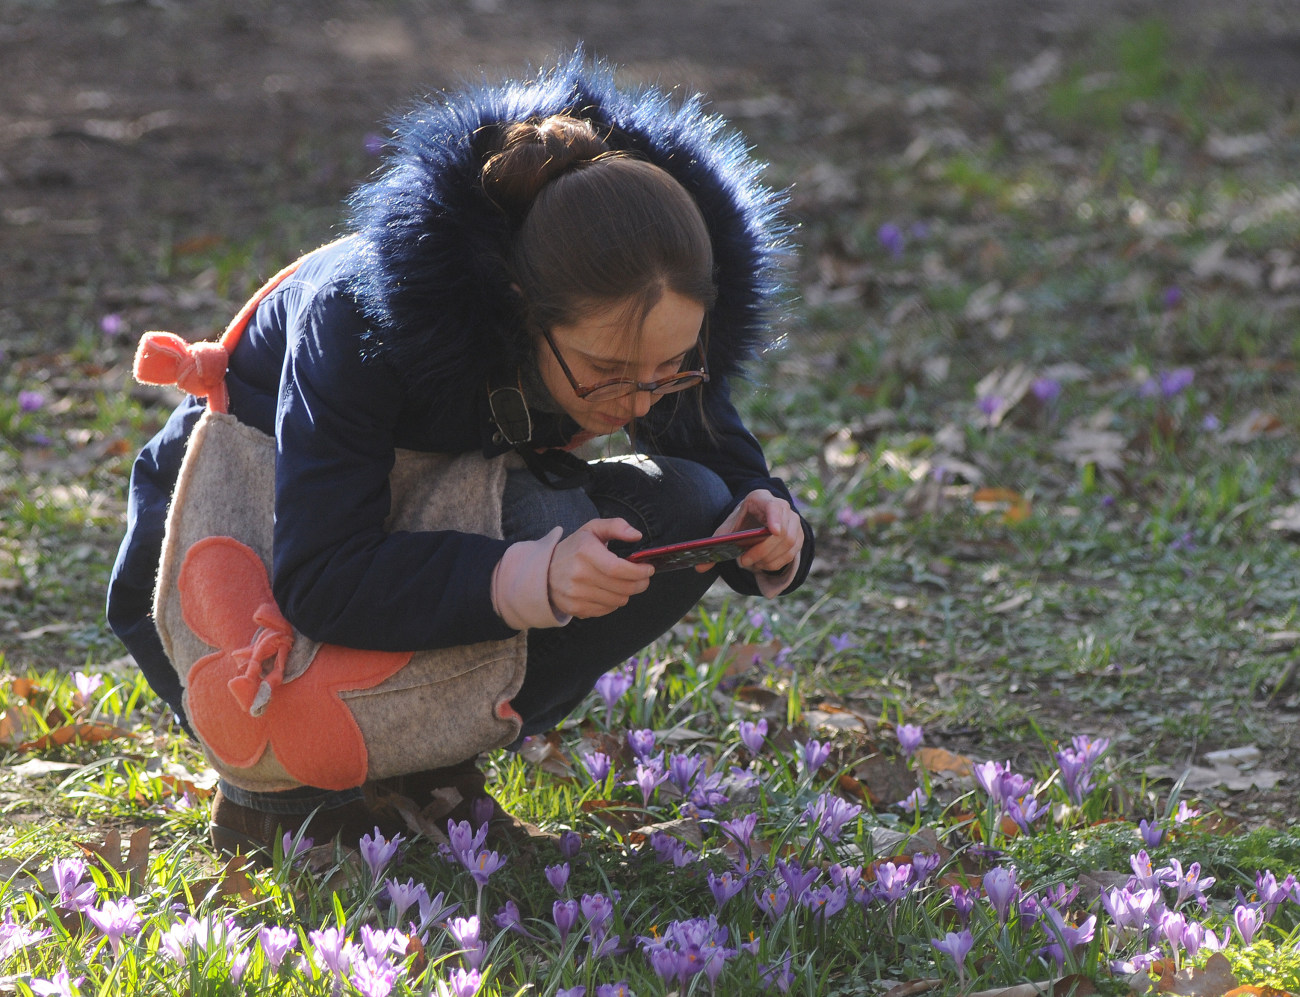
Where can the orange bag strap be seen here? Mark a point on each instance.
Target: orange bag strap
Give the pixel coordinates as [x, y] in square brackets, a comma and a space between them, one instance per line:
[164, 358]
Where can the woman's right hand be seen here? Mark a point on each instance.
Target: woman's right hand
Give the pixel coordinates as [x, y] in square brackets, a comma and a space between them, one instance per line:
[586, 579]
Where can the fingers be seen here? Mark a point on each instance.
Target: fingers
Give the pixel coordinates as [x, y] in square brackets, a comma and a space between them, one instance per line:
[586, 579]
[777, 551]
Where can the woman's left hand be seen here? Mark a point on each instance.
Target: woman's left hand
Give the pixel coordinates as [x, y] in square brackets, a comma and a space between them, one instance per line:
[777, 552]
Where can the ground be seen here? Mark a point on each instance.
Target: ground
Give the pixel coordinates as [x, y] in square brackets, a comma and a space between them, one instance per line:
[154, 155]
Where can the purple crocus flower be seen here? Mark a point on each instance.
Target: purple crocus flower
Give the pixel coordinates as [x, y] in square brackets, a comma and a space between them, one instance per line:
[642, 743]
[773, 900]
[1070, 936]
[682, 770]
[914, 800]
[740, 829]
[570, 844]
[465, 932]
[842, 642]
[331, 951]
[831, 814]
[1045, 389]
[725, 887]
[116, 919]
[597, 764]
[613, 685]
[649, 776]
[373, 977]
[1143, 875]
[112, 325]
[1248, 919]
[891, 239]
[59, 985]
[963, 902]
[752, 734]
[796, 877]
[484, 864]
[619, 989]
[30, 401]
[909, 737]
[402, 896]
[813, 754]
[1129, 909]
[1189, 883]
[1151, 833]
[778, 975]
[86, 684]
[575, 991]
[434, 908]
[598, 909]
[1172, 298]
[276, 943]
[988, 404]
[1271, 893]
[378, 851]
[464, 982]
[1001, 889]
[1024, 811]
[1172, 382]
[565, 914]
[558, 876]
[893, 882]
[508, 918]
[956, 945]
[73, 893]
[825, 901]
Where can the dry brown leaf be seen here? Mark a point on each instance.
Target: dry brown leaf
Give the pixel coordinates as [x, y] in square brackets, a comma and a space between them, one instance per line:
[174, 786]
[684, 830]
[887, 780]
[1014, 506]
[87, 732]
[25, 688]
[741, 658]
[544, 751]
[1079, 986]
[1249, 991]
[1215, 980]
[109, 853]
[617, 816]
[943, 760]
[17, 724]
[233, 883]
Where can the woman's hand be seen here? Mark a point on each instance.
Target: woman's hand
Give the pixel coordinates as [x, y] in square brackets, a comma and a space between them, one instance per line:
[586, 579]
[778, 552]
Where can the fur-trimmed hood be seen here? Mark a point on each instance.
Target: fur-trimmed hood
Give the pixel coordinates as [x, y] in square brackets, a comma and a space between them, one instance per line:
[430, 275]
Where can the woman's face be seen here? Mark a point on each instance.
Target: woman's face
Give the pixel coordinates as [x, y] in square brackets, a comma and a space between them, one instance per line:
[600, 347]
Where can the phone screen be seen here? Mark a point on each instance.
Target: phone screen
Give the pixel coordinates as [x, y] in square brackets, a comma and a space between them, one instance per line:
[706, 550]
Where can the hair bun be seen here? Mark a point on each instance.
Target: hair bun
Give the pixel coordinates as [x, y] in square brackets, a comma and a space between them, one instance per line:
[532, 154]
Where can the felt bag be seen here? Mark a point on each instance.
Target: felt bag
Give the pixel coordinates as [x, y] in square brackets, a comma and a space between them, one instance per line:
[272, 709]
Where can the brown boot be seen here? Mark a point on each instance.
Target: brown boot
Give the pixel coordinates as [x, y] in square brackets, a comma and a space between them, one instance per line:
[453, 793]
[237, 829]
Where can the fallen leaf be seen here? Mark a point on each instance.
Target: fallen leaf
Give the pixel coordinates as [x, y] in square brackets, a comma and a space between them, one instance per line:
[1214, 980]
[887, 780]
[17, 724]
[1250, 991]
[943, 760]
[87, 732]
[233, 883]
[109, 853]
[1080, 986]
[173, 787]
[684, 830]
[545, 751]
[618, 817]
[1015, 507]
[25, 688]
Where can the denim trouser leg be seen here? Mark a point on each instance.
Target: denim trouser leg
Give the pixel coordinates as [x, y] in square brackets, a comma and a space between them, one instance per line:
[668, 500]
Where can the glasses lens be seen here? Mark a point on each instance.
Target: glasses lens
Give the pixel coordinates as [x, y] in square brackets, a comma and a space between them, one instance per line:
[680, 383]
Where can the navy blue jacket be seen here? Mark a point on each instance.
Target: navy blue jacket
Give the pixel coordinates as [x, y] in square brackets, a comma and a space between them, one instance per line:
[387, 339]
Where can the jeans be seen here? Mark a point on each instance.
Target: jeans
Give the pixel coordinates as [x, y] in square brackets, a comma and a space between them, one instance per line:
[668, 500]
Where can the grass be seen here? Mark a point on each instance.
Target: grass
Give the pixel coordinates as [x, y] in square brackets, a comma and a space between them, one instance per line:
[1045, 457]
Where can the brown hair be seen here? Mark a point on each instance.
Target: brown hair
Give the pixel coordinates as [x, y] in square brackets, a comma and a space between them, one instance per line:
[593, 225]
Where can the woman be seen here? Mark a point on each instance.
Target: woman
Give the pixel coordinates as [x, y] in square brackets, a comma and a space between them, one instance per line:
[538, 265]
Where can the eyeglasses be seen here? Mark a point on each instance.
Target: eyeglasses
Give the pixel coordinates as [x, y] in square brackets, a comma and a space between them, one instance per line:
[620, 386]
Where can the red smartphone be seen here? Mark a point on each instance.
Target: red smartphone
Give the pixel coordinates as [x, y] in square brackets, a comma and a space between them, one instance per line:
[706, 550]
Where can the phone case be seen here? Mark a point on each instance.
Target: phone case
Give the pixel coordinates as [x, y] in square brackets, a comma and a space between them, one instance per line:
[706, 550]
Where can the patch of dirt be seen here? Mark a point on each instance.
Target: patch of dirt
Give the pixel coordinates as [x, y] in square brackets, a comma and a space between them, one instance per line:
[132, 131]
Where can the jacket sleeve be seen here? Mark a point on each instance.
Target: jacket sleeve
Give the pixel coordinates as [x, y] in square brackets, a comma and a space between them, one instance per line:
[707, 429]
[339, 577]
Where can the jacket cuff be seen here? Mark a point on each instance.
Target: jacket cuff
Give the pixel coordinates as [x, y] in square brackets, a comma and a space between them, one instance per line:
[520, 594]
[772, 584]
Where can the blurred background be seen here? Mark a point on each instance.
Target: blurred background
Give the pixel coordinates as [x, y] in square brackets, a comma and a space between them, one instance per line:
[158, 158]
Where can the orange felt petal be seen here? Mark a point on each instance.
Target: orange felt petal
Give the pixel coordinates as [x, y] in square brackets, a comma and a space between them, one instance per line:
[222, 583]
[313, 733]
[226, 729]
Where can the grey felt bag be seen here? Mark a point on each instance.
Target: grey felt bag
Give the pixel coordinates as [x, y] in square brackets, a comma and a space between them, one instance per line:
[438, 708]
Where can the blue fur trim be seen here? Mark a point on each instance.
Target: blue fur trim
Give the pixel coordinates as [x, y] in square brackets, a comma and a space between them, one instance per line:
[431, 278]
